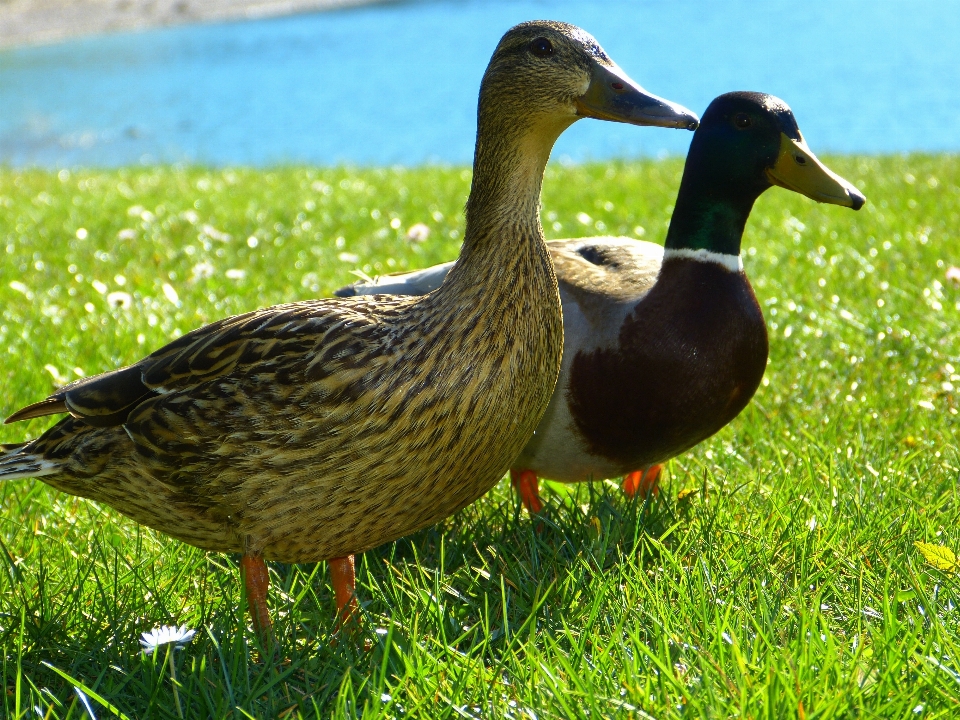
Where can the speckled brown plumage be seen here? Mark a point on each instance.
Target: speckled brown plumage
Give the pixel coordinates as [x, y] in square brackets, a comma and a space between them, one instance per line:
[319, 429]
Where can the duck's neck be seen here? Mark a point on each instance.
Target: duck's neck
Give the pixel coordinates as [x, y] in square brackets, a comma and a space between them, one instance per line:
[710, 215]
[503, 210]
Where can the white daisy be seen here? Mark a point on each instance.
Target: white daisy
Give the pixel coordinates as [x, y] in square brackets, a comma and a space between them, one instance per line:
[120, 299]
[165, 634]
[418, 232]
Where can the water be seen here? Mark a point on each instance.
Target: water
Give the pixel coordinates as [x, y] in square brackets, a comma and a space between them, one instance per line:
[398, 83]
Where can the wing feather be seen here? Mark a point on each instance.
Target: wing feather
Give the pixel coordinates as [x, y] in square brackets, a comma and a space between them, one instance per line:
[254, 343]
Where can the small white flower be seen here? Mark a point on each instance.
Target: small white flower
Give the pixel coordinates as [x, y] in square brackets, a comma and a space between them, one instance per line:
[21, 288]
[418, 232]
[55, 374]
[164, 635]
[202, 270]
[211, 232]
[120, 299]
[171, 294]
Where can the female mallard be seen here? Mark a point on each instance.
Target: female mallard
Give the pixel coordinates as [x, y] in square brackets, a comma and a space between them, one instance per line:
[663, 346]
[319, 429]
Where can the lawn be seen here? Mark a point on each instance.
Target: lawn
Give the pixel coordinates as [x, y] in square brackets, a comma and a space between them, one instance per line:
[775, 576]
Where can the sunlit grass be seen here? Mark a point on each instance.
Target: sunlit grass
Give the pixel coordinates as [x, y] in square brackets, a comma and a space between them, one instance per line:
[787, 585]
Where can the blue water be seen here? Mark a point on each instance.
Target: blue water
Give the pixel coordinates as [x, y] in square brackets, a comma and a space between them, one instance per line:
[397, 83]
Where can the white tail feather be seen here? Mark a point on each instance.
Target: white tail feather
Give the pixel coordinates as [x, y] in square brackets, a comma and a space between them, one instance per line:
[18, 464]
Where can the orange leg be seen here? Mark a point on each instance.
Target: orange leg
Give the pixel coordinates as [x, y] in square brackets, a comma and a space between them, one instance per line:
[344, 577]
[257, 580]
[527, 487]
[643, 482]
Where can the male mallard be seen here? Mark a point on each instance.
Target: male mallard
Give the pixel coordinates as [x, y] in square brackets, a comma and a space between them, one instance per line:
[319, 429]
[663, 346]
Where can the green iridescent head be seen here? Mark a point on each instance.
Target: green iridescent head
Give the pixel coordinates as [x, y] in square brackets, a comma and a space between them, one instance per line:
[746, 143]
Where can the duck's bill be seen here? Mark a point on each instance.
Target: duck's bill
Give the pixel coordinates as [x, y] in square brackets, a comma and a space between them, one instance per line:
[612, 95]
[798, 169]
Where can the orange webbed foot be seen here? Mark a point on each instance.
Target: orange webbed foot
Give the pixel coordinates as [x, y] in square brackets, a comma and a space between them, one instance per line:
[643, 482]
[527, 485]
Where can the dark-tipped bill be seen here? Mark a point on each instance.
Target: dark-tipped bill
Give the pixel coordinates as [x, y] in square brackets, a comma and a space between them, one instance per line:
[798, 169]
[612, 95]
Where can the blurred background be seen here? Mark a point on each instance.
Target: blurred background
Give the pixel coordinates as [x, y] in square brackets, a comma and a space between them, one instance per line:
[396, 83]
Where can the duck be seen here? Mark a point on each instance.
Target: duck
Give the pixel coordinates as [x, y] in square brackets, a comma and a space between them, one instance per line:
[663, 345]
[319, 429]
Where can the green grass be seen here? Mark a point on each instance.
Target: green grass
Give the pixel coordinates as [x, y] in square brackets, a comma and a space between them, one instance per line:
[787, 586]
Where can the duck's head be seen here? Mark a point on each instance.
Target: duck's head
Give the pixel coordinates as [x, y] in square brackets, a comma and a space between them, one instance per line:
[546, 75]
[749, 141]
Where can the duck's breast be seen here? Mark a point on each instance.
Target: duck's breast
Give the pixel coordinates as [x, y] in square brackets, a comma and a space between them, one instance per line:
[688, 359]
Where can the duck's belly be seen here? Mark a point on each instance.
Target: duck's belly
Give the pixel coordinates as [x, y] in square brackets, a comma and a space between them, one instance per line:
[557, 452]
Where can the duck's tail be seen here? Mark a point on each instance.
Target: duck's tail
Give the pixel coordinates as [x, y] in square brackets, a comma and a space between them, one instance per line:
[17, 461]
[418, 282]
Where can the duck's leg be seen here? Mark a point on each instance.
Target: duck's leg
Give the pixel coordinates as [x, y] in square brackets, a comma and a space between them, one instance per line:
[527, 486]
[643, 482]
[344, 577]
[256, 580]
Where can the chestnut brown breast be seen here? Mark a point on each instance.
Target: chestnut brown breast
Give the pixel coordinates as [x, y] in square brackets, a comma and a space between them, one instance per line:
[688, 360]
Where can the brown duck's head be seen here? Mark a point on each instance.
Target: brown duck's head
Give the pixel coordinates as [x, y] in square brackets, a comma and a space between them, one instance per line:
[751, 141]
[549, 74]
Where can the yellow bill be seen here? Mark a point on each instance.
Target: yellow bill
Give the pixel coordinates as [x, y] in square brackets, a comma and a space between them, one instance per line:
[798, 169]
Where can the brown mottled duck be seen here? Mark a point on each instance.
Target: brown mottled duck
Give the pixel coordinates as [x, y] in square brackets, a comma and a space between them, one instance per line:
[316, 430]
[663, 346]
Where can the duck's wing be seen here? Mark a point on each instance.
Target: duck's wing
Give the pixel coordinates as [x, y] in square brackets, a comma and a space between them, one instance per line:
[418, 282]
[271, 344]
[619, 268]
[604, 274]
[614, 267]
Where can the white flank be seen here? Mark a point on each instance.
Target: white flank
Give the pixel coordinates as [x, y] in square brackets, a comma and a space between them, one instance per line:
[733, 263]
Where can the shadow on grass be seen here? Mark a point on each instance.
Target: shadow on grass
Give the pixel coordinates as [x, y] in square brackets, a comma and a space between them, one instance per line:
[468, 587]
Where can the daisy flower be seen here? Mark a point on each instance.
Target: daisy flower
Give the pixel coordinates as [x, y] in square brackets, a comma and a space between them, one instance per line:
[164, 635]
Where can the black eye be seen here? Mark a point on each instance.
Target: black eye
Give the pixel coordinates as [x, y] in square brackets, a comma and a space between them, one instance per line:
[541, 47]
[742, 121]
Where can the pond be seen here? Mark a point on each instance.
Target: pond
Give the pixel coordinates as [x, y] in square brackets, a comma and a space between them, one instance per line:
[397, 83]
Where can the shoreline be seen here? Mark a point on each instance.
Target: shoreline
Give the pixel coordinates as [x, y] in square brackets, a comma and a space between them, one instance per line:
[44, 22]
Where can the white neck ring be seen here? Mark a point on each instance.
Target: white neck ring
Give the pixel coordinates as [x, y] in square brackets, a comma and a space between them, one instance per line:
[733, 263]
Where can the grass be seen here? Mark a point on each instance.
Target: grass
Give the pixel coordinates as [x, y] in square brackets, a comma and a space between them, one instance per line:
[775, 576]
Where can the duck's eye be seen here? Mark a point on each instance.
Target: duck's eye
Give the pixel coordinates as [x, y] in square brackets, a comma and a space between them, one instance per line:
[541, 47]
[742, 120]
